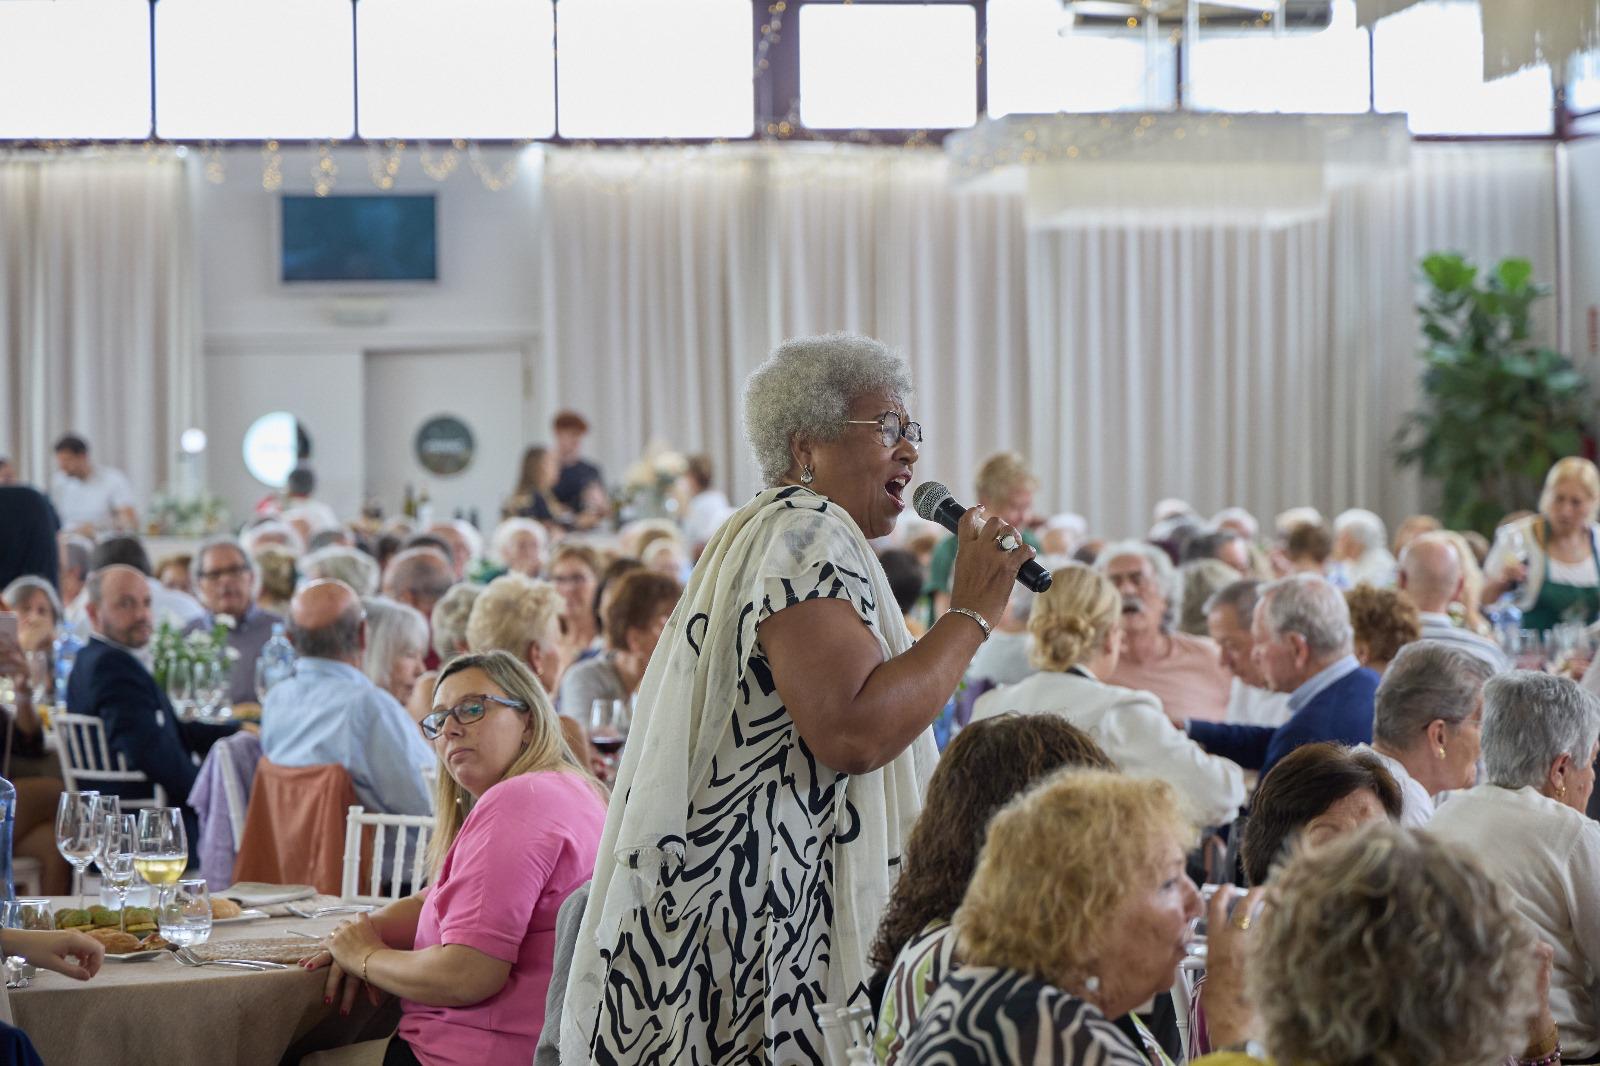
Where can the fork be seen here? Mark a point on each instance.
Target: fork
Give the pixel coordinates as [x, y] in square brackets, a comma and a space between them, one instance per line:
[323, 912]
[189, 958]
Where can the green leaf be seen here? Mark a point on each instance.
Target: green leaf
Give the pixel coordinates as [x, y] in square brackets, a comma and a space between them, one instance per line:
[1514, 274]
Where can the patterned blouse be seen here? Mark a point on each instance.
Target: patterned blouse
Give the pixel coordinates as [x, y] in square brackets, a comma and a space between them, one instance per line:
[983, 1016]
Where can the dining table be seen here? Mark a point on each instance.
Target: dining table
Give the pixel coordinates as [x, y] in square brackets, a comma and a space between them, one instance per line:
[155, 1010]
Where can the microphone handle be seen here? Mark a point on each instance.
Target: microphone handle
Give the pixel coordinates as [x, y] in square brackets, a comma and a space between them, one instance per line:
[1031, 576]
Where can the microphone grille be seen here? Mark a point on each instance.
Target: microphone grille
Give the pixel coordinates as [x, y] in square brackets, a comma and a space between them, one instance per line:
[928, 497]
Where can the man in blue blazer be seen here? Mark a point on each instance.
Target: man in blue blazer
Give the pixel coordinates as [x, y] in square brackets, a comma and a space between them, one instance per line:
[1303, 645]
[109, 682]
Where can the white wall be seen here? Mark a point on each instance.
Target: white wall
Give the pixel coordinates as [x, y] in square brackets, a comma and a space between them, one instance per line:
[270, 346]
[1581, 247]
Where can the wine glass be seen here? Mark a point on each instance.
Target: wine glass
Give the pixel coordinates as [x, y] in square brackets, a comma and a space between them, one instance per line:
[180, 689]
[186, 918]
[77, 832]
[110, 809]
[118, 852]
[39, 676]
[162, 849]
[608, 729]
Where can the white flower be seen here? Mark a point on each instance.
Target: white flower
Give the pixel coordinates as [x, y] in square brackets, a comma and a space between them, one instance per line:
[227, 621]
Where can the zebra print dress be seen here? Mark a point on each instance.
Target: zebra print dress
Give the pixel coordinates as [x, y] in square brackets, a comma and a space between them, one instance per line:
[983, 1016]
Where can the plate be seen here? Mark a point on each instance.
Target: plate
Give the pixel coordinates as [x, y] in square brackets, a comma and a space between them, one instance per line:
[249, 915]
[136, 956]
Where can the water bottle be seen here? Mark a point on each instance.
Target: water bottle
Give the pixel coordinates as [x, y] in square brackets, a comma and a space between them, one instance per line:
[276, 662]
[8, 815]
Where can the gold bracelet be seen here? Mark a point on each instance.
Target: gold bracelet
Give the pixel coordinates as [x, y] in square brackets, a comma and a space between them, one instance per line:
[364, 961]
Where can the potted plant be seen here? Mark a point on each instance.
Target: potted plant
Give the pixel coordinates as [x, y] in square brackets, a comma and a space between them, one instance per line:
[1498, 409]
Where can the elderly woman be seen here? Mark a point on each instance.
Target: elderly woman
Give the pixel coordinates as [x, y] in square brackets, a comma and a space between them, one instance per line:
[30, 768]
[1526, 825]
[1360, 551]
[1552, 559]
[38, 612]
[518, 546]
[522, 617]
[278, 578]
[1427, 723]
[574, 569]
[781, 744]
[1388, 948]
[1078, 913]
[448, 622]
[1076, 626]
[397, 644]
[470, 958]
[987, 765]
[1384, 621]
[1182, 671]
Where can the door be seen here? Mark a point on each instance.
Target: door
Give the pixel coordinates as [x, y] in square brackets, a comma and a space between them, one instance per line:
[467, 407]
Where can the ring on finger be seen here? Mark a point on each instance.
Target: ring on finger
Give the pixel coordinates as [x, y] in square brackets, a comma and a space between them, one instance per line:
[1008, 542]
[1241, 921]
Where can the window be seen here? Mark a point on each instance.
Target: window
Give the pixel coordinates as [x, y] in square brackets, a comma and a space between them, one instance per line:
[649, 68]
[1583, 85]
[1295, 71]
[1428, 61]
[492, 77]
[254, 69]
[70, 70]
[888, 66]
[1038, 63]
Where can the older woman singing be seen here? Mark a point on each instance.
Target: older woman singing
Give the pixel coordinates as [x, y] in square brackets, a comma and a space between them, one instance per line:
[780, 748]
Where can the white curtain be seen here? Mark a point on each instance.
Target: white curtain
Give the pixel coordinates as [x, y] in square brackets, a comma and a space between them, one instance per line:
[99, 313]
[1223, 360]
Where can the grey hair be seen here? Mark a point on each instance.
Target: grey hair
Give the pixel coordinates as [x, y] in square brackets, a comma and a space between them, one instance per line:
[1240, 597]
[251, 537]
[338, 563]
[1160, 564]
[79, 551]
[1427, 680]
[393, 628]
[1239, 515]
[1366, 527]
[450, 616]
[510, 528]
[1308, 605]
[26, 584]
[806, 387]
[195, 561]
[339, 639]
[1529, 720]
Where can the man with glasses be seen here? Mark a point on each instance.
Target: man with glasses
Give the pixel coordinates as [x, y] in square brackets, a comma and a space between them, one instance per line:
[225, 579]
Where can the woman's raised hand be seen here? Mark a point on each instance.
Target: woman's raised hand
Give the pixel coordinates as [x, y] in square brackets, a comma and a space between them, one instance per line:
[985, 569]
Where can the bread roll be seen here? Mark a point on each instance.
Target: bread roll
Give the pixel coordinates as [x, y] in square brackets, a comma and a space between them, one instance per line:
[116, 941]
[225, 908]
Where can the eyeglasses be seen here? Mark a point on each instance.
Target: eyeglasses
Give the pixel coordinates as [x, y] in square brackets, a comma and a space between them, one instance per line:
[226, 572]
[891, 429]
[466, 712]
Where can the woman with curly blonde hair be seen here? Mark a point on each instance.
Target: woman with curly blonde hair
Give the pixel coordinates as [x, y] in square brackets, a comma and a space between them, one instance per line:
[1384, 620]
[1386, 948]
[1076, 626]
[1077, 914]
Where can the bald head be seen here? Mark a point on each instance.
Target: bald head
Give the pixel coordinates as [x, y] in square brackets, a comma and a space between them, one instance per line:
[1430, 571]
[119, 605]
[418, 577]
[326, 622]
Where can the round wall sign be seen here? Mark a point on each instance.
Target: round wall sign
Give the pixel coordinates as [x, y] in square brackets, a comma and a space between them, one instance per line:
[444, 445]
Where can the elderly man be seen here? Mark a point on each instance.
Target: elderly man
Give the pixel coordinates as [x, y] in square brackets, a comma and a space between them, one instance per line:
[226, 580]
[465, 542]
[1005, 488]
[1229, 614]
[1303, 646]
[419, 577]
[1430, 573]
[1361, 551]
[1182, 670]
[330, 712]
[109, 682]
[89, 496]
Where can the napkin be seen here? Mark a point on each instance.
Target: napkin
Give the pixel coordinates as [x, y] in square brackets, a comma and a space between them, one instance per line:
[256, 894]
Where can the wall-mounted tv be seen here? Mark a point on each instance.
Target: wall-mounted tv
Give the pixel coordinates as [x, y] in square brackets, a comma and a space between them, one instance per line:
[359, 238]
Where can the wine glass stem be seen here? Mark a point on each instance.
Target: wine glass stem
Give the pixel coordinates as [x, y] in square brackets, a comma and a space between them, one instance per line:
[77, 876]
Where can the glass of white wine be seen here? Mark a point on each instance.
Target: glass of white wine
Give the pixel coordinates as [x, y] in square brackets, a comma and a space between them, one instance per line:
[162, 849]
[78, 832]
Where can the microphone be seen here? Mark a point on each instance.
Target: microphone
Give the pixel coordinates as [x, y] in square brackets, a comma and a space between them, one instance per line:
[932, 501]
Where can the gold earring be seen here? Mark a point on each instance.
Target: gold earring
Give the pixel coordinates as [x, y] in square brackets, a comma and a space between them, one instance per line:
[1441, 753]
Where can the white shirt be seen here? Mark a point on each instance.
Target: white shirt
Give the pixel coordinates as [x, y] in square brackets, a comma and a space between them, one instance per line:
[704, 516]
[1416, 805]
[1133, 729]
[91, 501]
[1248, 705]
[1003, 659]
[1548, 856]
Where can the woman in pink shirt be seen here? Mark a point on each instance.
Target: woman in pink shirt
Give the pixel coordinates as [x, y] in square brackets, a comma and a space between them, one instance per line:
[518, 826]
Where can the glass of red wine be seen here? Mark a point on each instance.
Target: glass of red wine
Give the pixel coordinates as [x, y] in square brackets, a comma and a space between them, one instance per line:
[608, 731]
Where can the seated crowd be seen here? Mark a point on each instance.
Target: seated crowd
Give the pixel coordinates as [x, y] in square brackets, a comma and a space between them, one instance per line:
[1322, 717]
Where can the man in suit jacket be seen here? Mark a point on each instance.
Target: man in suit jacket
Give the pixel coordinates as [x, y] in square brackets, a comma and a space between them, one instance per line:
[110, 683]
[1303, 646]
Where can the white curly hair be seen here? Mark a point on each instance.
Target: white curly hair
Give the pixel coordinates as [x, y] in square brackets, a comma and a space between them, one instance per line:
[807, 385]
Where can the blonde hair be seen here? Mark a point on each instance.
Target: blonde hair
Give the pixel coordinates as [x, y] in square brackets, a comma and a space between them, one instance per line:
[512, 612]
[1057, 864]
[1388, 948]
[544, 749]
[1004, 473]
[1071, 617]
[449, 618]
[1577, 470]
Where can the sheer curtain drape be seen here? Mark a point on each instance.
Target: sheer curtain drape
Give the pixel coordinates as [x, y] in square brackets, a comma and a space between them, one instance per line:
[99, 313]
[1219, 359]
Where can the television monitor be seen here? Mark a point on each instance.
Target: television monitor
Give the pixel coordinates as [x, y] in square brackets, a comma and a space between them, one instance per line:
[359, 238]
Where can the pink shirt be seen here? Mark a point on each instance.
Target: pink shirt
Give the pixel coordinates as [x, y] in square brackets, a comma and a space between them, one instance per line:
[526, 845]
[1190, 680]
